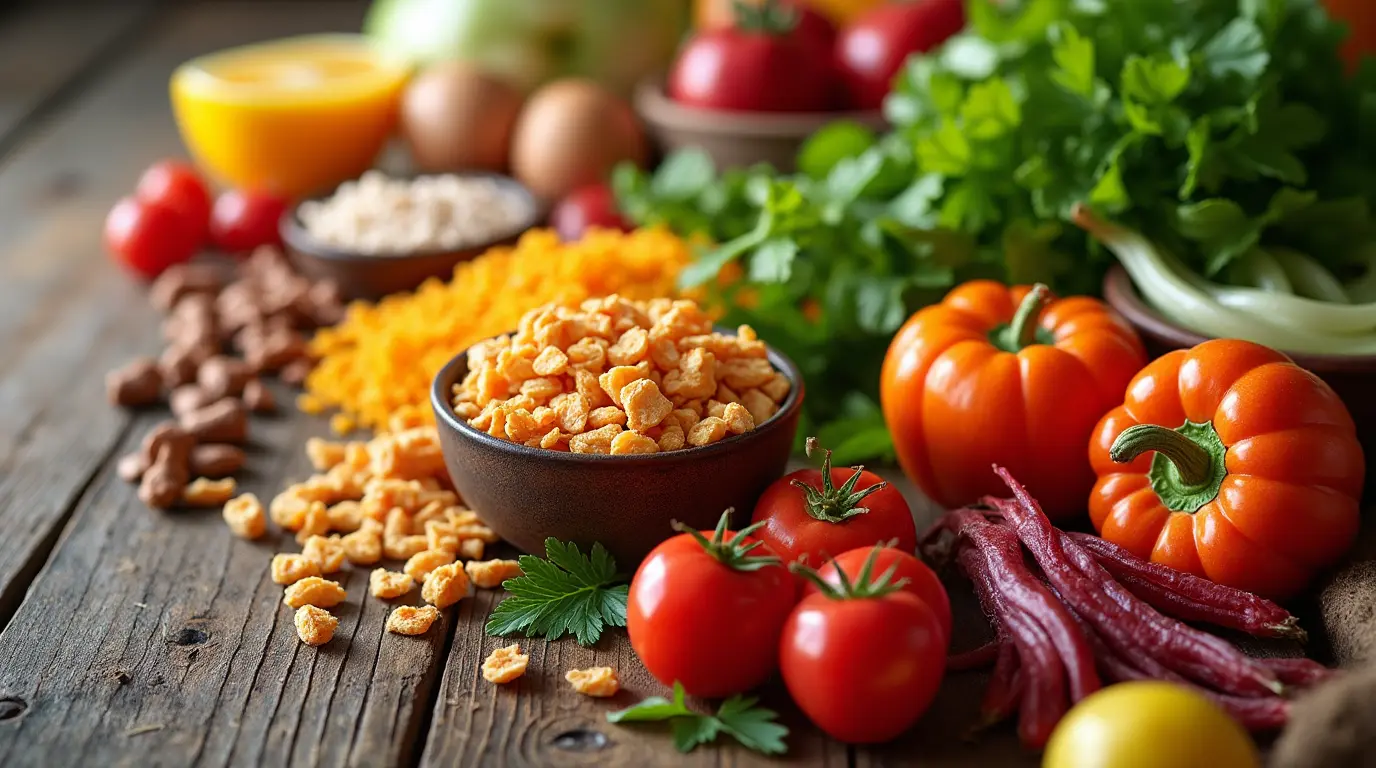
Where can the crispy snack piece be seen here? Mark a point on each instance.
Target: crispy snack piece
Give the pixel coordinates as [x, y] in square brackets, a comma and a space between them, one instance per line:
[505, 664]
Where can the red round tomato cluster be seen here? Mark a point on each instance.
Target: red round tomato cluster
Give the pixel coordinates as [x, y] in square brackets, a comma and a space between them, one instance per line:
[781, 56]
[862, 651]
[170, 216]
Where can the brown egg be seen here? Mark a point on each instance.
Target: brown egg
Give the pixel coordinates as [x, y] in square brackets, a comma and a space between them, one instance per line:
[570, 134]
[455, 118]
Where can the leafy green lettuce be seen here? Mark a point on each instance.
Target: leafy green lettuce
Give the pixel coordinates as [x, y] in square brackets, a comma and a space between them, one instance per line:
[1216, 126]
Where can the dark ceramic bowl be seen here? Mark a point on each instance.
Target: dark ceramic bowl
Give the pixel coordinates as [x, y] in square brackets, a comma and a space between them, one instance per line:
[625, 502]
[736, 139]
[1352, 377]
[369, 276]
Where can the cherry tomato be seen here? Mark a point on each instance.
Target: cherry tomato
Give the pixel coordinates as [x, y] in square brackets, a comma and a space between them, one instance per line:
[766, 63]
[922, 582]
[824, 519]
[720, 14]
[149, 237]
[176, 185]
[706, 610]
[242, 221]
[590, 206]
[871, 51]
[863, 668]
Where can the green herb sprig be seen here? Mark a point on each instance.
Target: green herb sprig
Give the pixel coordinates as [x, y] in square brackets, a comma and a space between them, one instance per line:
[564, 593]
[755, 727]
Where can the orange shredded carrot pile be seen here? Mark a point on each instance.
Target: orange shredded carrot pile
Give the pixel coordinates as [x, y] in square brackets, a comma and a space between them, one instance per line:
[380, 360]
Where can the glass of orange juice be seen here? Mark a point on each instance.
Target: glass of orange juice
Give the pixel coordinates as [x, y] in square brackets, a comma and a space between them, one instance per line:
[290, 117]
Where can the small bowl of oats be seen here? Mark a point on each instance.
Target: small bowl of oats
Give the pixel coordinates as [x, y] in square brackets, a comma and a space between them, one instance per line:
[608, 420]
[379, 235]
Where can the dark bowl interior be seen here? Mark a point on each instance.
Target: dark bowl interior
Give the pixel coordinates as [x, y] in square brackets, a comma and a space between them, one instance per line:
[627, 503]
[1352, 377]
[367, 276]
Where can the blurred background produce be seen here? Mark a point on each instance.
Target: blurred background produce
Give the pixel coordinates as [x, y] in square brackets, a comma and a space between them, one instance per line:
[531, 42]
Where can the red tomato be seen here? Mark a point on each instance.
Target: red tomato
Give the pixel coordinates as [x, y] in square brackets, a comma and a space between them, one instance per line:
[148, 237]
[176, 185]
[821, 521]
[242, 221]
[871, 51]
[863, 669]
[922, 582]
[707, 612]
[590, 206]
[768, 62]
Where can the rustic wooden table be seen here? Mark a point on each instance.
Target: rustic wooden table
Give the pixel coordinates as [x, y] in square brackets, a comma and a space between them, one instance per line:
[132, 637]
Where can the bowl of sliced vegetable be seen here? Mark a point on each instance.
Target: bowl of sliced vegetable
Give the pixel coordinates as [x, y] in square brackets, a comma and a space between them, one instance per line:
[592, 451]
[1352, 377]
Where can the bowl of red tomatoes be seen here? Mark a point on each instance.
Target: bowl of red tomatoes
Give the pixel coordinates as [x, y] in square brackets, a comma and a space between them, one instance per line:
[753, 85]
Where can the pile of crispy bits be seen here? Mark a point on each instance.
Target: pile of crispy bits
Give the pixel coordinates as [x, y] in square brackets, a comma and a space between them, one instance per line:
[387, 499]
[507, 664]
[262, 314]
[619, 377]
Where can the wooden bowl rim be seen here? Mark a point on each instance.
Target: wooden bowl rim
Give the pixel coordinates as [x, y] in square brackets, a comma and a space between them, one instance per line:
[444, 412]
[296, 237]
[1122, 295]
[657, 108]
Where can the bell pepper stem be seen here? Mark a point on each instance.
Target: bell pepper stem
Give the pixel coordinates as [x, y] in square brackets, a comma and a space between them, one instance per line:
[1192, 462]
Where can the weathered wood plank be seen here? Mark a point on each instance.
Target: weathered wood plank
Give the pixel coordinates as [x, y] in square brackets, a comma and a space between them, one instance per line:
[45, 46]
[66, 313]
[152, 638]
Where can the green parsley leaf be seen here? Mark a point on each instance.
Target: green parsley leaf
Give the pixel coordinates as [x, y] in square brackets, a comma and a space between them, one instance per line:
[753, 726]
[568, 593]
[1238, 48]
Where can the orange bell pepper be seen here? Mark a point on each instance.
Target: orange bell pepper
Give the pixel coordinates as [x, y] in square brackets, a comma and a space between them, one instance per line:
[999, 375]
[1256, 475]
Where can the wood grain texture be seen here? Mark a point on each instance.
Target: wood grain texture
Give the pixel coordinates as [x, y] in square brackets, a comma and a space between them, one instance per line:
[66, 313]
[47, 47]
[151, 638]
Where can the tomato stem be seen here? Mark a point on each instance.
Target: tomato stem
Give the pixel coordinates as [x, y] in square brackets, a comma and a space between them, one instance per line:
[1189, 465]
[768, 17]
[832, 504]
[865, 585]
[735, 553]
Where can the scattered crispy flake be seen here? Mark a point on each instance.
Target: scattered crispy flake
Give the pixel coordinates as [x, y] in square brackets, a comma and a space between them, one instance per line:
[245, 516]
[364, 546]
[410, 620]
[288, 509]
[289, 569]
[707, 431]
[505, 664]
[403, 547]
[447, 584]
[204, 492]
[599, 682]
[738, 419]
[387, 585]
[439, 535]
[759, 404]
[476, 530]
[633, 442]
[328, 552]
[550, 362]
[421, 564]
[313, 590]
[471, 549]
[597, 441]
[489, 574]
[316, 522]
[345, 516]
[315, 626]
[672, 438]
[607, 414]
